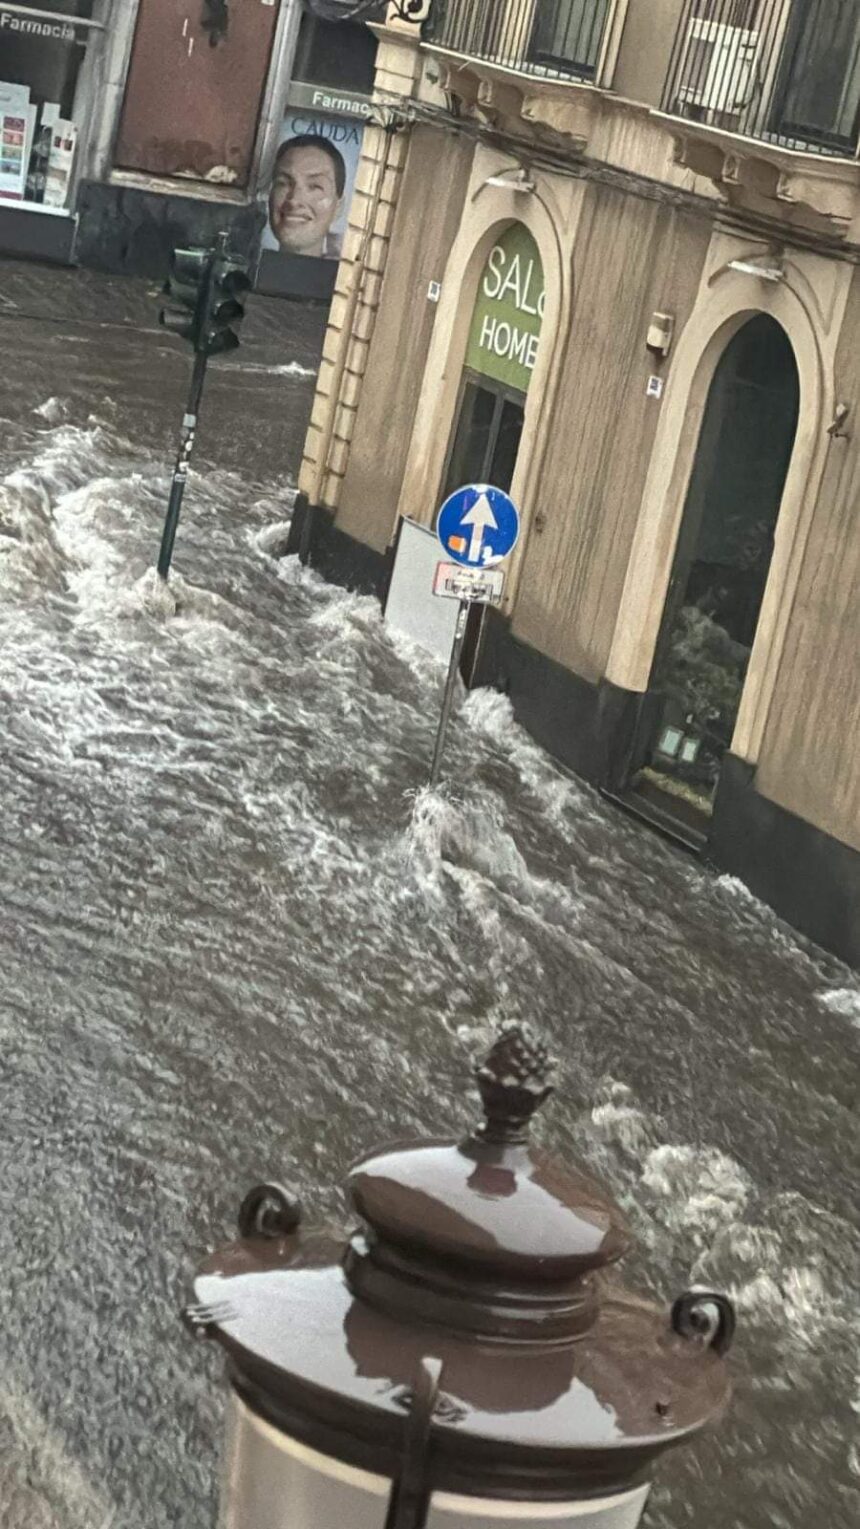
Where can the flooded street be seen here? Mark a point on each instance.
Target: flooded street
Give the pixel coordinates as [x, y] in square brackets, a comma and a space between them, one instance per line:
[239, 940]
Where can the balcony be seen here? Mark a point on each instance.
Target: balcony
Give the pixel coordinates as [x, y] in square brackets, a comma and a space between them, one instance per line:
[556, 39]
[786, 72]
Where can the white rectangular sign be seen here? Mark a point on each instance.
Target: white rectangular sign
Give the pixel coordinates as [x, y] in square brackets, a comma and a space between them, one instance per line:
[483, 585]
[410, 606]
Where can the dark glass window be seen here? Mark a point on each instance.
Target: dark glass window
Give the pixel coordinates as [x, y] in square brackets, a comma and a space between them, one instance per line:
[818, 96]
[722, 560]
[337, 53]
[570, 32]
[504, 458]
[472, 438]
[487, 435]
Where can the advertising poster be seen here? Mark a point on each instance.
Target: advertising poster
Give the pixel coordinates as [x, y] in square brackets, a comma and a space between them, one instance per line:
[312, 183]
[15, 129]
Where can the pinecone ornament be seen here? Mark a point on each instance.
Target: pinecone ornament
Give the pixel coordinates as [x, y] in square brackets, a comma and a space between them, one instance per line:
[515, 1078]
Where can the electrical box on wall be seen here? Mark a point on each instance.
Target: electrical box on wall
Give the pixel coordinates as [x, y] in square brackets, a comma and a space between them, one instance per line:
[661, 331]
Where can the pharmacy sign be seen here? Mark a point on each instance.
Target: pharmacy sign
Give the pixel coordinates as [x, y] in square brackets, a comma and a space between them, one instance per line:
[503, 338]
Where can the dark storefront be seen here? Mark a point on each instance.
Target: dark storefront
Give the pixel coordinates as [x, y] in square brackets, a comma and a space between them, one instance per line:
[49, 55]
[130, 131]
[201, 142]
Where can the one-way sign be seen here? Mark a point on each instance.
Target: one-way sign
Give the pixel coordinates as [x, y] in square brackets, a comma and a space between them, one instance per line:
[478, 525]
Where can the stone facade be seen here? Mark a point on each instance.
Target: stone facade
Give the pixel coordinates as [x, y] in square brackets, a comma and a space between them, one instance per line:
[636, 213]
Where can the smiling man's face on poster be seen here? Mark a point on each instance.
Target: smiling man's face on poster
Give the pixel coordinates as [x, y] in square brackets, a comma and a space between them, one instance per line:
[307, 196]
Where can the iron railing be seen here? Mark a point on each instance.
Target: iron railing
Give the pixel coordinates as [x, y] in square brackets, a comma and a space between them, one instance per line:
[786, 71]
[559, 39]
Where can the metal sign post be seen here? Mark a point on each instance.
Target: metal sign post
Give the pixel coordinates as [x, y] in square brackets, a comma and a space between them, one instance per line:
[448, 697]
[478, 526]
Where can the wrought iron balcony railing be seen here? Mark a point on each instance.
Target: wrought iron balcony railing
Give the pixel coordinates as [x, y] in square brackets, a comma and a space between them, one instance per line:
[559, 39]
[786, 71]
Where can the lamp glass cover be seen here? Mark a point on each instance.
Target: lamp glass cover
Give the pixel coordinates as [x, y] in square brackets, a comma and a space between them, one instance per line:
[275, 1482]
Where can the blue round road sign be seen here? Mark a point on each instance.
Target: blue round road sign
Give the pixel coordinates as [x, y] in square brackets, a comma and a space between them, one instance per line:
[478, 525]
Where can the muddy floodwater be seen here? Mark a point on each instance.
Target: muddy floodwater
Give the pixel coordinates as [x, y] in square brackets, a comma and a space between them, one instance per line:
[239, 939]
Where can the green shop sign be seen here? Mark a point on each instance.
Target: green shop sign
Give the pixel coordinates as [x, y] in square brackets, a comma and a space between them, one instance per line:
[503, 339]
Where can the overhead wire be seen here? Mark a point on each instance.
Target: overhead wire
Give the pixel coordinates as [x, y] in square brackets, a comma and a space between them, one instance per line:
[555, 159]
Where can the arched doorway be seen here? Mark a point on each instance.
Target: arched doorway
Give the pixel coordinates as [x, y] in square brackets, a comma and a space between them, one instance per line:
[721, 565]
[501, 352]
[500, 358]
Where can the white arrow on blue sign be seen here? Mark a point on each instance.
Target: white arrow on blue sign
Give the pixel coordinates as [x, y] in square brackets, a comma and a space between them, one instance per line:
[478, 525]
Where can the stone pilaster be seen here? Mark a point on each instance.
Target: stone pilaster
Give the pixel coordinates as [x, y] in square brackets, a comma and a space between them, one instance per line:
[361, 271]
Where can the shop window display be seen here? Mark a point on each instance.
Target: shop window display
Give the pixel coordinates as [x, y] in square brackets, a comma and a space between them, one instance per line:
[40, 62]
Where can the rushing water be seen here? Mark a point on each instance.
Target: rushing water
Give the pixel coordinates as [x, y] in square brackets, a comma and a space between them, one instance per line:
[240, 939]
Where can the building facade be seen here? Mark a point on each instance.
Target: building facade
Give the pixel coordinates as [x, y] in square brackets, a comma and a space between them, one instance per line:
[132, 127]
[605, 254]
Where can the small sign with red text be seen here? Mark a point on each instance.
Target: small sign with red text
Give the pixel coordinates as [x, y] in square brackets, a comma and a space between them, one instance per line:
[483, 585]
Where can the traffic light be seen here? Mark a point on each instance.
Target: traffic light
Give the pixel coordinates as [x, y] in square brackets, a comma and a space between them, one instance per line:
[205, 292]
[225, 309]
[186, 289]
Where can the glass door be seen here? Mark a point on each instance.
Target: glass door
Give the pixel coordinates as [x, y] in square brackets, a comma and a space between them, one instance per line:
[721, 566]
[483, 450]
[818, 93]
[487, 434]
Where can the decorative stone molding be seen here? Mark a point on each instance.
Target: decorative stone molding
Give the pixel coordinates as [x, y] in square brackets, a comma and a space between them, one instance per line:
[561, 110]
[810, 192]
[498, 99]
[567, 116]
[805, 191]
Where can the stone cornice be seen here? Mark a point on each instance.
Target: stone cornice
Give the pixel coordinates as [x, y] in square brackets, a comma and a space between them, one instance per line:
[816, 195]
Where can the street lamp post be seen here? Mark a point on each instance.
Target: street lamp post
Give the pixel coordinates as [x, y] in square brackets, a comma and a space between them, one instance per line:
[463, 1360]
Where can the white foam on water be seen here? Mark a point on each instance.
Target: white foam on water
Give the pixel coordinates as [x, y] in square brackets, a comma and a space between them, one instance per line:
[449, 839]
[695, 1190]
[227, 850]
[619, 1121]
[425, 665]
[736, 888]
[41, 1483]
[272, 539]
[53, 410]
[490, 715]
[842, 1001]
[95, 563]
[794, 1267]
[282, 369]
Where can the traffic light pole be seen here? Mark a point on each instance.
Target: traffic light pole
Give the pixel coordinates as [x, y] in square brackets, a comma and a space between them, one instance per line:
[206, 289]
[183, 458]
